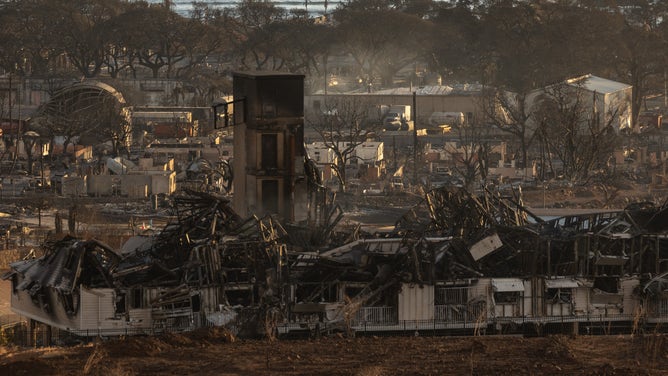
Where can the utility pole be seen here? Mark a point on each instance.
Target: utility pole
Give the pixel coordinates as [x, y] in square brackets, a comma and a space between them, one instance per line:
[415, 139]
[11, 127]
[326, 79]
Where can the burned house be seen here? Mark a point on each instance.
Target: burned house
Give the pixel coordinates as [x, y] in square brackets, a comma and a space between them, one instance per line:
[169, 280]
[498, 267]
[164, 124]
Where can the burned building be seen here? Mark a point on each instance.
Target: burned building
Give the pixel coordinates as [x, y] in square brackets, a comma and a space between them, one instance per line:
[496, 267]
[177, 279]
[269, 145]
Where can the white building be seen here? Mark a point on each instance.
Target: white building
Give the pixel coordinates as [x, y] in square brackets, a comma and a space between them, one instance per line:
[597, 96]
[127, 179]
[608, 98]
[368, 158]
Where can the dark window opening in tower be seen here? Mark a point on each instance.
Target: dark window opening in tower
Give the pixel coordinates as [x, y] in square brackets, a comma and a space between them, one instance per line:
[269, 151]
[270, 196]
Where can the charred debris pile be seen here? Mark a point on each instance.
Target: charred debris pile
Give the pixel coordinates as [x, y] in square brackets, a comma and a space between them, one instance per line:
[211, 261]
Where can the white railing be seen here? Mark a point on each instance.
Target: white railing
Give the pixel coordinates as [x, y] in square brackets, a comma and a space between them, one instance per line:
[660, 308]
[376, 315]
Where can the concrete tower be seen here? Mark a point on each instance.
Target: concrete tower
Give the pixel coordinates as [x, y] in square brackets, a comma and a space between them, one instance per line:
[269, 145]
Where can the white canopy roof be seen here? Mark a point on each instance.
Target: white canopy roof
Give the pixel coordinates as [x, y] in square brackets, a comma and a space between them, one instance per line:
[507, 284]
[599, 84]
[564, 283]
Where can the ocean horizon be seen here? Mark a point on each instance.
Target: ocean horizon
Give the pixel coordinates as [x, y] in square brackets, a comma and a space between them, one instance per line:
[315, 8]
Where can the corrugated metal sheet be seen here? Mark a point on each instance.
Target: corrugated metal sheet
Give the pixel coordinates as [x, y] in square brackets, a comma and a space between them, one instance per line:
[558, 309]
[88, 310]
[485, 246]
[581, 300]
[416, 302]
[630, 301]
[529, 298]
[507, 284]
[479, 289]
[97, 309]
[210, 298]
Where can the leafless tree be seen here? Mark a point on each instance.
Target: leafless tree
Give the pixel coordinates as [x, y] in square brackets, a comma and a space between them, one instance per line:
[342, 126]
[574, 128]
[4, 102]
[113, 125]
[511, 113]
[470, 153]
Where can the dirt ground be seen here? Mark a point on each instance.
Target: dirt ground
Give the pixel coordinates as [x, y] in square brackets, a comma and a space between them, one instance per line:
[216, 352]
[552, 198]
[592, 196]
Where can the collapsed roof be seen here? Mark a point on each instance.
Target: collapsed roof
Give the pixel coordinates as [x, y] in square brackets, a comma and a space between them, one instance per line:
[451, 235]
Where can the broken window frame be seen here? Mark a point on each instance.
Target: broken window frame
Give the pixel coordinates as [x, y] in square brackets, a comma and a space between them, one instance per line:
[559, 295]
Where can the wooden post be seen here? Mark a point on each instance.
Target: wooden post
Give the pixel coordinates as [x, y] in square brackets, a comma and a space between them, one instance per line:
[47, 335]
[31, 337]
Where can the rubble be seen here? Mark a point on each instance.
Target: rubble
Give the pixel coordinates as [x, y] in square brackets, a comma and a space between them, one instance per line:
[457, 258]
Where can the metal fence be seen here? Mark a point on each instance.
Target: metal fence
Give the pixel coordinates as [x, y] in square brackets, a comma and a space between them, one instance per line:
[523, 326]
[21, 334]
[377, 321]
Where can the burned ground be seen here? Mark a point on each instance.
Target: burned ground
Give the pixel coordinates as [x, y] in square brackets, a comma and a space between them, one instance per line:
[207, 352]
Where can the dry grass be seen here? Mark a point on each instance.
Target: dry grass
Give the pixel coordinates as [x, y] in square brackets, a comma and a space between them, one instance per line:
[212, 354]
